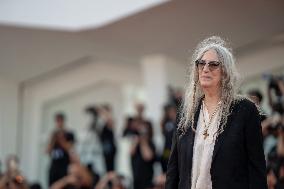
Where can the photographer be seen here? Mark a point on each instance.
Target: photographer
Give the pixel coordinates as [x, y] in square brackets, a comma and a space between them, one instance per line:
[270, 130]
[276, 94]
[280, 142]
[168, 124]
[111, 181]
[103, 124]
[60, 150]
[143, 156]
[12, 178]
[107, 137]
[79, 177]
[256, 96]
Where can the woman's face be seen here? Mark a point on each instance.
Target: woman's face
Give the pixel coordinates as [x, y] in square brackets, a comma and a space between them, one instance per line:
[210, 75]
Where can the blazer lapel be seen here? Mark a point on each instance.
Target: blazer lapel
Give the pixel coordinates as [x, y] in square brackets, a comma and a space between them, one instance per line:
[220, 139]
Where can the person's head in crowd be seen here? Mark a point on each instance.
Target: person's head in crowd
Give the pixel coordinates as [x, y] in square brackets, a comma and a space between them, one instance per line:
[256, 96]
[111, 181]
[106, 107]
[170, 112]
[92, 110]
[17, 182]
[105, 112]
[78, 177]
[178, 95]
[35, 186]
[274, 84]
[132, 126]
[276, 93]
[272, 127]
[140, 110]
[12, 178]
[129, 121]
[81, 174]
[59, 120]
[145, 130]
[93, 113]
[12, 164]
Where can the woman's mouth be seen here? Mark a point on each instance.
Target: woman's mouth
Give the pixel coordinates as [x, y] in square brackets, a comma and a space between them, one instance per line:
[206, 77]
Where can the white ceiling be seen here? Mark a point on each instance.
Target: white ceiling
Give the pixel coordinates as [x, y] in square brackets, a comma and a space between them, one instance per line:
[69, 15]
[172, 28]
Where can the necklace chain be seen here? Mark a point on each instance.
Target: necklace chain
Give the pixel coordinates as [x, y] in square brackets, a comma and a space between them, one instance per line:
[206, 127]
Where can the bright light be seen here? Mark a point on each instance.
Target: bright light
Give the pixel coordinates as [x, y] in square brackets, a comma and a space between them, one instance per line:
[69, 14]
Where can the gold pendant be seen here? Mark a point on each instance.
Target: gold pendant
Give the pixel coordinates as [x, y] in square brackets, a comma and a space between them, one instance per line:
[205, 134]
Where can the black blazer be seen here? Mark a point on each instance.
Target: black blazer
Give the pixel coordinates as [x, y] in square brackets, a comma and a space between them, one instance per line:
[238, 159]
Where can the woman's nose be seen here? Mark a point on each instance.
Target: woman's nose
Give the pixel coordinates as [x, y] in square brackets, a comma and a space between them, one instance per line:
[206, 68]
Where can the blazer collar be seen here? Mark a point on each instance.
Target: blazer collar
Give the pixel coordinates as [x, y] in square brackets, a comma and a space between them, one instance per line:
[220, 138]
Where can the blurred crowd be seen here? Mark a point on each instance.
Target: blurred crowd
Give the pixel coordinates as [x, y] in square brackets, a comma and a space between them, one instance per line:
[273, 130]
[66, 171]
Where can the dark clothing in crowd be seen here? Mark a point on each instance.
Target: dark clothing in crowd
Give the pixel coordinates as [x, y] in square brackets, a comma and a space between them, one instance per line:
[60, 160]
[142, 170]
[168, 130]
[109, 147]
[75, 187]
[280, 184]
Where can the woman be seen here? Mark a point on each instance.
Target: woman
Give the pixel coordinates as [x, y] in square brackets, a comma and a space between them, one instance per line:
[218, 143]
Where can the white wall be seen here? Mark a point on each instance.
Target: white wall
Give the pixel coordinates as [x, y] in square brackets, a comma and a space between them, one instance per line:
[262, 60]
[176, 73]
[8, 118]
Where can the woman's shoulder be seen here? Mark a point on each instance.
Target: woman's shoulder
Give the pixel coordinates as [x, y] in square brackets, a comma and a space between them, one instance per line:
[245, 104]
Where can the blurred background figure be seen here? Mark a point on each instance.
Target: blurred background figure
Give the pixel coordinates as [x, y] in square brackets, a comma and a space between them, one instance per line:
[60, 150]
[140, 109]
[168, 126]
[159, 182]
[256, 96]
[111, 181]
[271, 178]
[275, 93]
[78, 177]
[143, 156]
[130, 128]
[103, 125]
[107, 137]
[12, 177]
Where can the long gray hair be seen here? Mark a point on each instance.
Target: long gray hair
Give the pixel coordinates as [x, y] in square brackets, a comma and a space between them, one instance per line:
[194, 93]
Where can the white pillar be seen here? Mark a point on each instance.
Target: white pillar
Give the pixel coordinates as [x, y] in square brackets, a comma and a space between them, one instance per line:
[155, 85]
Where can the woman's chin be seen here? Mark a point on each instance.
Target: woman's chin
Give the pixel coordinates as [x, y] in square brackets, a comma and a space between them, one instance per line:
[206, 85]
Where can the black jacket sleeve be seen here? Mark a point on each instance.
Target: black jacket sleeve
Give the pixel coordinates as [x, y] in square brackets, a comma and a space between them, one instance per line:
[254, 146]
[172, 175]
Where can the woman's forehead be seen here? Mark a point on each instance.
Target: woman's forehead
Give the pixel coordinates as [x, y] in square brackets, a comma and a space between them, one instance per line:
[210, 54]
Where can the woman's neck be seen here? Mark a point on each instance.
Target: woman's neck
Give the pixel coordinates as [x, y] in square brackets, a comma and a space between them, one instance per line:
[211, 100]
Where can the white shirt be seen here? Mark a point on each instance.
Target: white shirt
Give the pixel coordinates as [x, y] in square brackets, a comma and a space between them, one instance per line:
[203, 151]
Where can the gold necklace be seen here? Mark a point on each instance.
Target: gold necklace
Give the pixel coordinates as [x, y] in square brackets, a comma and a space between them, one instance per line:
[206, 127]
